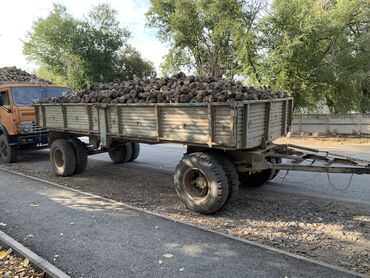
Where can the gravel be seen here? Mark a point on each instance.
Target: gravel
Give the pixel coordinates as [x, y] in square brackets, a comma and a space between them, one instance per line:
[330, 231]
[11, 266]
[176, 89]
[14, 75]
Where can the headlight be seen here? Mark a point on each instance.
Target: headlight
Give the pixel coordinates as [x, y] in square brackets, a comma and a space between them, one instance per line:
[26, 127]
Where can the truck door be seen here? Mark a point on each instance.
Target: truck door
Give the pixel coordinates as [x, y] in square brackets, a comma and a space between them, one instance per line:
[6, 115]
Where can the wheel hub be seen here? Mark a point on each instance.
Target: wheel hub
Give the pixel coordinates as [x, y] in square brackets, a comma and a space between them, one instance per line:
[196, 184]
[58, 158]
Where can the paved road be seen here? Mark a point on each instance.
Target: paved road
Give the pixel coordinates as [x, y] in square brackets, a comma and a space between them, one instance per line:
[91, 237]
[166, 157]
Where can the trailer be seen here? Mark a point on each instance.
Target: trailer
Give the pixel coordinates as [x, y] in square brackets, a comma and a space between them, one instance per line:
[227, 143]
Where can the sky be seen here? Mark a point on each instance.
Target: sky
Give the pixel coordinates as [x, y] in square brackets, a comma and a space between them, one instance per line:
[18, 16]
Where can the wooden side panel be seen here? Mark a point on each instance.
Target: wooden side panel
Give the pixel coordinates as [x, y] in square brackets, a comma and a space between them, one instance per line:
[242, 111]
[77, 118]
[217, 125]
[223, 125]
[95, 119]
[53, 116]
[256, 124]
[112, 120]
[276, 121]
[138, 121]
[188, 124]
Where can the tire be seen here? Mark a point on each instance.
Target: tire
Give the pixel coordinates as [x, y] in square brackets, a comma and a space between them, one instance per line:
[231, 174]
[121, 153]
[201, 183]
[256, 179]
[274, 173]
[81, 155]
[260, 178]
[62, 158]
[52, 136]
[135, 151]
[8, 153]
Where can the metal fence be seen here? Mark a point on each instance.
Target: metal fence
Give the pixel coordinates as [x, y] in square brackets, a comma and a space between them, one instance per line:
[332, 124]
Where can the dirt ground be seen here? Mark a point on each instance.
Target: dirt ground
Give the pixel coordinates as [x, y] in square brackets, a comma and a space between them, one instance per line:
[333, 232]
[11, 266]
[327, 141]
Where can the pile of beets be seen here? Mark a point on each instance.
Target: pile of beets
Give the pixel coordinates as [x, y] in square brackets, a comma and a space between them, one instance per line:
[176, 89]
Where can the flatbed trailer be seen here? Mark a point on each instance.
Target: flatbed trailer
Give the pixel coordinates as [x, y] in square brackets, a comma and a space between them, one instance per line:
[227, 143]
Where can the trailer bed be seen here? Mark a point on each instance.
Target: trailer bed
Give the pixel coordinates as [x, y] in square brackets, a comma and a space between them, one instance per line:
[240, 125]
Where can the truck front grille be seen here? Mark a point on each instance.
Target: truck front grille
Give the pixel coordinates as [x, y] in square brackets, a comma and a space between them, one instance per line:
[37, 129]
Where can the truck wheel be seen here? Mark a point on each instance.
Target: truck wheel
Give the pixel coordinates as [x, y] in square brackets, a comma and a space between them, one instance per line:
[8, 154]
[201, 183]
[62, 158]
[121, 153]
[231, 174]
[135, 151]
[81, 154]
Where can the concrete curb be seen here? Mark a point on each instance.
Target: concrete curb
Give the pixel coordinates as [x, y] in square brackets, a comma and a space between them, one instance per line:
[39, 263]
[260, 245]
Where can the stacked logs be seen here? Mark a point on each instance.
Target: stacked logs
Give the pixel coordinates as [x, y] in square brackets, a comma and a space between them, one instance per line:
[176, 89]
[10, 75]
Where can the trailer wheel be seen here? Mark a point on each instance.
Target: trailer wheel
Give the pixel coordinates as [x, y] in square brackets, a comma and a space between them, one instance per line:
[8, 153]
[256, 179]
[260, 178]
[274, 173]
[120, 153]
[201, 183]
[62, 158]
[135, 151]
[54, 135]
[81, 154]
[231, 174]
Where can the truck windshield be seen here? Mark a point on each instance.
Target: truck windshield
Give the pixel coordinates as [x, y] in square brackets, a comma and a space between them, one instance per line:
[26, 96]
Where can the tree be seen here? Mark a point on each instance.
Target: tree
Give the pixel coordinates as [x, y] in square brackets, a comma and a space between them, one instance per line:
[199, 32]
[131, 65]
[318, 51]
[81, 51]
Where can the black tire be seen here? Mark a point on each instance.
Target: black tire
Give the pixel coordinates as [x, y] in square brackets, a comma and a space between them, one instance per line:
[255, 179]
[135, 151]
[62, 158]
[231, 174]
[201, 183]
[120, 153]
[8, 153]
[53, 135]
[274, 173]
[260, 178]
[81, 154]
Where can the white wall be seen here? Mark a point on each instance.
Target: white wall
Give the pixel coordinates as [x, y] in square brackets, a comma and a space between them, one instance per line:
[326, 124]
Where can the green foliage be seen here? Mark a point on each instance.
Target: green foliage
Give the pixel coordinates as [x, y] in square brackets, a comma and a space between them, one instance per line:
[130, 65]
[199, 32]
[83, 51]
[318, 51]
[44, 73]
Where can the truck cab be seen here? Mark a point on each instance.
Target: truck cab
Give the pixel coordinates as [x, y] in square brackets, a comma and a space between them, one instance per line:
[18, 129]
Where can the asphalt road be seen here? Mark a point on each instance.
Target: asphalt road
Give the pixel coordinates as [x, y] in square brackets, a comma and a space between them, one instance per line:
[165, 158]
[90, 237]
